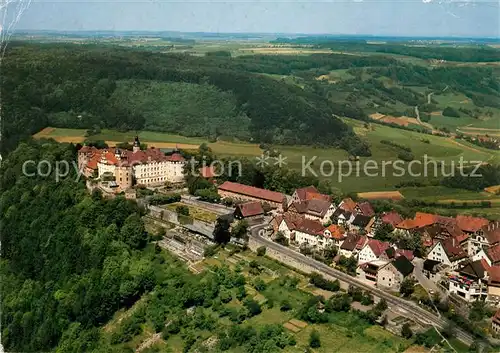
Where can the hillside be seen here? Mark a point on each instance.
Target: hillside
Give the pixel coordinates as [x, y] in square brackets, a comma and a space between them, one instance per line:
[82, 83]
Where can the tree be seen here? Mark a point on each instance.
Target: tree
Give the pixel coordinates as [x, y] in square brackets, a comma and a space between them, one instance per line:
[133, 232]
[407, 287]
[280, 238]
[252, 306]
[406, 331]
[383, 233]
[285, 305]
[240, 230]
[182, 210]
[221, 231]
[314, 339]
[261, 251]
[449, 111]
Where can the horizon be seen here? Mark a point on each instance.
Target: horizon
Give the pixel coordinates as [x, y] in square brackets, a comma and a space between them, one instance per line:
[411, 18]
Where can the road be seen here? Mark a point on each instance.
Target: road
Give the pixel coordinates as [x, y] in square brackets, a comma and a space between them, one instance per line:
[413, 310]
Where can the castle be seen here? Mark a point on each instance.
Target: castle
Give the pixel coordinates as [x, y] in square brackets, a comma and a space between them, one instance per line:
[150, 167]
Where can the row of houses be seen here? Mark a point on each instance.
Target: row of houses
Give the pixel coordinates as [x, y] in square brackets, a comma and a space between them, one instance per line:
[463, 252]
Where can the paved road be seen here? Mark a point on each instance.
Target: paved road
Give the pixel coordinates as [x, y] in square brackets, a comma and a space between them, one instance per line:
[413, 310]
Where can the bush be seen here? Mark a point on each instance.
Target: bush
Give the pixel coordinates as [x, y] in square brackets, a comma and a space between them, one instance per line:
[164, 199]
[285, 305]
[406, 331]
[406, 156]
[314, 339]
[261, 251]
[449, 111]
[208, 195]
[182, 210]
[320, 282]
[210, 250]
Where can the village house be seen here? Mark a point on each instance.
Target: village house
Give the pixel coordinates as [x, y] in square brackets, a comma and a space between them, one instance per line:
[150, 167]
[432, 268]
[336, 234]
[494, 285]
[343, 213]
[392, 253]
[361, 223]
[364, 208]
[495, 322]
[368, 271]
[241, 192]
[311, 233]
[470, 281]
[249, 210]
[485, 236]
[315, 209]
[352, 245]
[372, 251]
[393, 273]
[308, 193]
[391, 218]
[447, 252]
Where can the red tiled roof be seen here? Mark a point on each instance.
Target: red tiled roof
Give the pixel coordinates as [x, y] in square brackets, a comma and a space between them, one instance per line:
[494, 274]
[366, 208]
[309, 226]
[250, 209]
[425, 219]
[462, 237]
[335, 231]
[377, 246]
[252, 191]
[318, 196]
[207, 172]
[393, 218]
[175, 157]
[302, 192]
[494, 253]
[407, 224]
[314, 207]
[361, 242]
[471, 224]
[348, 205]
[406, 253]
[453, 250]
[492, 232]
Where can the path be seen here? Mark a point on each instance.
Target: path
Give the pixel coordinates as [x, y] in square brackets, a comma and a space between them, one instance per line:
[427, 125]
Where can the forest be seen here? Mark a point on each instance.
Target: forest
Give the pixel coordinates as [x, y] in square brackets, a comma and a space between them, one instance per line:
[81, 86]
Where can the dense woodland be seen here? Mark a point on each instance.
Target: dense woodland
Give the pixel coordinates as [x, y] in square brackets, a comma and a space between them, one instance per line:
[84, 82]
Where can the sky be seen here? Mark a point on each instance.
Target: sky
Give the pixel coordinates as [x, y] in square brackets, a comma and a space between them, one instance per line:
[465, 18]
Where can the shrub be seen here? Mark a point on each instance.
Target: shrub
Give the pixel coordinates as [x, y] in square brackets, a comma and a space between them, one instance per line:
[182, 210]
[261, 251]
[314, 339]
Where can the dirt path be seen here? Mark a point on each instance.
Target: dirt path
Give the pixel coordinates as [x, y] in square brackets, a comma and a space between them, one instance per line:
[148, 342]
[455, 142]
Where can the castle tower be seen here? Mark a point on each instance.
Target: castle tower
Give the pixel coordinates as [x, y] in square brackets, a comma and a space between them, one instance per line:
[137, 145]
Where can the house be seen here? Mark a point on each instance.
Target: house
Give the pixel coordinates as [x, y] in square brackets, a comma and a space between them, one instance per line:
[249, 210]
[335, 233]
[469, 224]
[493, 255]
[287, 224]
[392, 218]
[341, 217]
[486, 236]
[309, 193]
[361, 223]
[352, 244]
[315, 209]
[368, 271]
[470, 281]
[365, 209]
[372, 251]
[431, 269]
[494, 285]
[495, 322]
[406, 227]
[392, 253]
[392, 274]
[310, 232]
[447, 252]
[243, 192]
[347, 205]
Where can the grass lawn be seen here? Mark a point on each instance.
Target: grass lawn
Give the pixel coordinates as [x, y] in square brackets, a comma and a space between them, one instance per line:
[195, 212]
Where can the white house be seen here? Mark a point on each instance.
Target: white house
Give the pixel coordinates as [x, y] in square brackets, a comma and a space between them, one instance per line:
[372, 251]
[486, 236]
[470, 281]
[393, 273]
[447, 252]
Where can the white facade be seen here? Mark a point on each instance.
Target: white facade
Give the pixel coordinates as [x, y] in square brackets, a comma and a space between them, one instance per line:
[159, 172]
[283, 227]
[438, 254]
[481, 255]
[366, 255]
[476, 290]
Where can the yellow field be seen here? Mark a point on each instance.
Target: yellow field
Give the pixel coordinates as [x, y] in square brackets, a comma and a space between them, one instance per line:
[493, 189]
[378, 195]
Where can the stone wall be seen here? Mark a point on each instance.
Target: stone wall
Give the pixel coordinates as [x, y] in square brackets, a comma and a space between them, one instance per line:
[253, 244]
